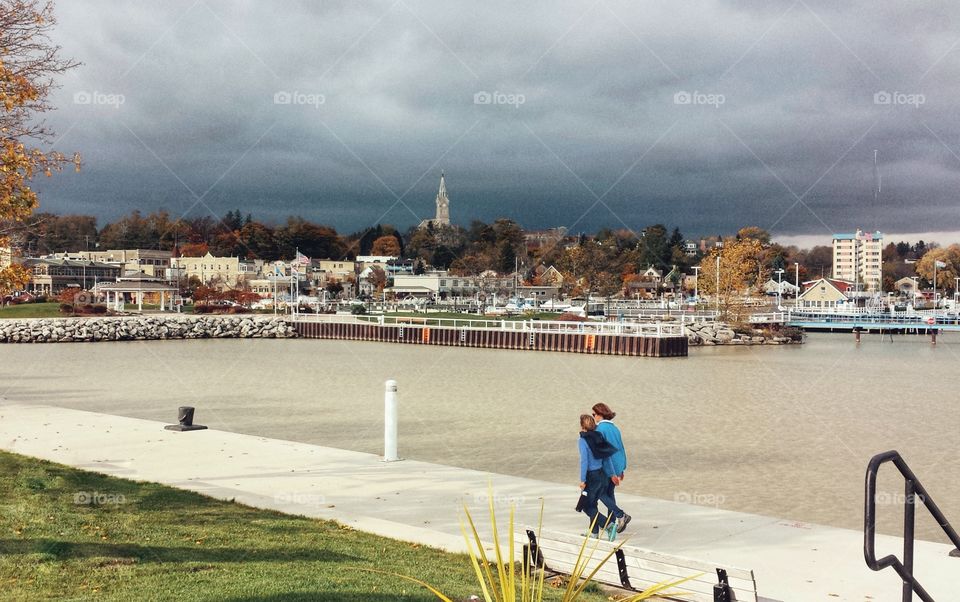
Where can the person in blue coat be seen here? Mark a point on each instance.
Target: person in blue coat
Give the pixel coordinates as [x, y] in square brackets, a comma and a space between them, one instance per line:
[615, 466]
[593, 482]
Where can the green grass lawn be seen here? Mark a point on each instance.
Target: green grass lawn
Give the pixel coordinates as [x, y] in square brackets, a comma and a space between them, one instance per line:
[160, 543]
[31, 310]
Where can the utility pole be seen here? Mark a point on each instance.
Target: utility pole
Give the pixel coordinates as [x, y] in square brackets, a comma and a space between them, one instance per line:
[718, 281]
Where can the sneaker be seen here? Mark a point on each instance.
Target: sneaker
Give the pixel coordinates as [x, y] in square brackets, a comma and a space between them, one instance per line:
[622, 522]
[610, 532]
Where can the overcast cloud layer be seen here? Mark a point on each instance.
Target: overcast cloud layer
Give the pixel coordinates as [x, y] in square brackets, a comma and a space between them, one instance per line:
[707, 115]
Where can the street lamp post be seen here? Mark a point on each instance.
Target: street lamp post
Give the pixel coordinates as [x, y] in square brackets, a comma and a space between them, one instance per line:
[935, 265]
[696, 284]
[780, 289]
[718, 281]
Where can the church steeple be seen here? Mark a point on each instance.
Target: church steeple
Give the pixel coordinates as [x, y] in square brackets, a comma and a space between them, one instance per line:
[443, 204]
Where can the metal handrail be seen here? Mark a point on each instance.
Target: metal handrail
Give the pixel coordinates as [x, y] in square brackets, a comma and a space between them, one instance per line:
[913, 491]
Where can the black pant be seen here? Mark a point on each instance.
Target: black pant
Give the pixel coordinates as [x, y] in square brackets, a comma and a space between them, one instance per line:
[596, 485]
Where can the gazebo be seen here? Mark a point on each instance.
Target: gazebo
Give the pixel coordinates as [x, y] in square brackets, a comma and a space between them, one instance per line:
[136, 284]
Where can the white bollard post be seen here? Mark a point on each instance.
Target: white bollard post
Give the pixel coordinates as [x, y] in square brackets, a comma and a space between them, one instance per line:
[390, 423]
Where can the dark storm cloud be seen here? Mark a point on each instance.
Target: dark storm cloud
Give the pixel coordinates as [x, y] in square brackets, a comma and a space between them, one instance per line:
[704, 115]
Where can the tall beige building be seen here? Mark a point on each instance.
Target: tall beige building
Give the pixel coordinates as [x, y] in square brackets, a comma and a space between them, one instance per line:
[858, 258]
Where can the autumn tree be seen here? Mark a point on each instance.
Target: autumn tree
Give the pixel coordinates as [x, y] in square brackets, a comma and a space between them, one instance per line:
[947, 270]
[377, 278]
[741, 267]
[386, 246]
[29, 64]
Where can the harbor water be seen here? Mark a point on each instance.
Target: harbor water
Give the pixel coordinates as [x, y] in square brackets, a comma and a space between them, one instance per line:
[784, 431]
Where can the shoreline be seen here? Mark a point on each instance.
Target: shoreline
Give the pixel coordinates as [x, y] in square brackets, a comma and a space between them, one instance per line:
[90, 329]
[418, 501]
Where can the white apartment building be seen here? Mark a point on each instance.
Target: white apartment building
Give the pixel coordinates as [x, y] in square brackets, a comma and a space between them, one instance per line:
[858, 258]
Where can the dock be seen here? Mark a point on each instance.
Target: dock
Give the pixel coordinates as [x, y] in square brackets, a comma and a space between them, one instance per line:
[602, 338]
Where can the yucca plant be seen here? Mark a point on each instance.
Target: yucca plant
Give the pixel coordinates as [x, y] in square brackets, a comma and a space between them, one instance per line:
[498, 579]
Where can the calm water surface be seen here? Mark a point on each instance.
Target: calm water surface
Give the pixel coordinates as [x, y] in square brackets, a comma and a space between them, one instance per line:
[784, 431]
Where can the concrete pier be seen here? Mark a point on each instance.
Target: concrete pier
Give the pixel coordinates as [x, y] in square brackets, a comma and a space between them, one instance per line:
[420, 502]
[491, 338]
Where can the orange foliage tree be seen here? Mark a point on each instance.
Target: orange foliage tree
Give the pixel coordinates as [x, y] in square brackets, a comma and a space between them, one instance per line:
[29, 61]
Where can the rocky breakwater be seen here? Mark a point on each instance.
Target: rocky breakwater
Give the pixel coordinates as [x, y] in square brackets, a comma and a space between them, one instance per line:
[143, 328]
[718, 333]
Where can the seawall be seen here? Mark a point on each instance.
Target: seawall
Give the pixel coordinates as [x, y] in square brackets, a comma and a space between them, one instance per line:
[493, 338]
[143, 328]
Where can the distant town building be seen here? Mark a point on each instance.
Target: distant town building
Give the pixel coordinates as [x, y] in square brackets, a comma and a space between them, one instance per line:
[785, 288]
[907, 286]
[153, 262]
[652, 274]
[439, 284]
[858, 258]
[825, 293]
[6, 257]
[51, 276]
[223, 272]
[367, 260]
[442, 217]
[538, 239]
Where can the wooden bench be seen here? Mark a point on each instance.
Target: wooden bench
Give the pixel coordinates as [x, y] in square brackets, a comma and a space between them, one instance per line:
[635, 569]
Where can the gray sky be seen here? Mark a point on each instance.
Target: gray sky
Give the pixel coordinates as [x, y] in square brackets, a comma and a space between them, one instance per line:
[706, 115]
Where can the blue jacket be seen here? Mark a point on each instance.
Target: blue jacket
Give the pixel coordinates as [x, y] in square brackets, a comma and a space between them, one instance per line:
[587, 461]
[616, 464]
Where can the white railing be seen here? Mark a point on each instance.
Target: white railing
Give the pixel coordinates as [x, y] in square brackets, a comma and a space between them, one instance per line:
[859, 316]
[654, 329]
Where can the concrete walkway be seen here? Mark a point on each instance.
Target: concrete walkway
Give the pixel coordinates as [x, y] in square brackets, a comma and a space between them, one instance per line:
[420, 502]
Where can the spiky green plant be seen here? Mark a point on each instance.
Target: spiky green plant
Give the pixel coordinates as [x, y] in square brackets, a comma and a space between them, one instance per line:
[498, 579]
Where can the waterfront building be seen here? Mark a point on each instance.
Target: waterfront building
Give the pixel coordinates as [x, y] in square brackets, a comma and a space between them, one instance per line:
[441, 284]
[442, 217]
[858, 258]
[906, 286]
[153, 262]
[825, 293]
[222, 272]
[51, 276]
[785, 288]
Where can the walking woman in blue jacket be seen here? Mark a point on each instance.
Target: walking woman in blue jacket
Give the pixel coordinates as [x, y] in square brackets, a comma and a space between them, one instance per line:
[614, 466]
[592, 479]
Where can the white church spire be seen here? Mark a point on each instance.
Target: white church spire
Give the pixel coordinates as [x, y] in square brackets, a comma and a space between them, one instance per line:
[443, 204]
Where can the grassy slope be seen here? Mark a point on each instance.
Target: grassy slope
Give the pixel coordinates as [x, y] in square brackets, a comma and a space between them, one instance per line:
[31, 310]
[163, 544]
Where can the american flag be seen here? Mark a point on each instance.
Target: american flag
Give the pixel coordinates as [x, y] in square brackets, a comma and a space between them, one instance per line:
[302, 259]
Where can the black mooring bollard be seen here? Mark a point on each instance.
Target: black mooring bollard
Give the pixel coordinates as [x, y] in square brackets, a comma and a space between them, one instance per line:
[185, 419]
